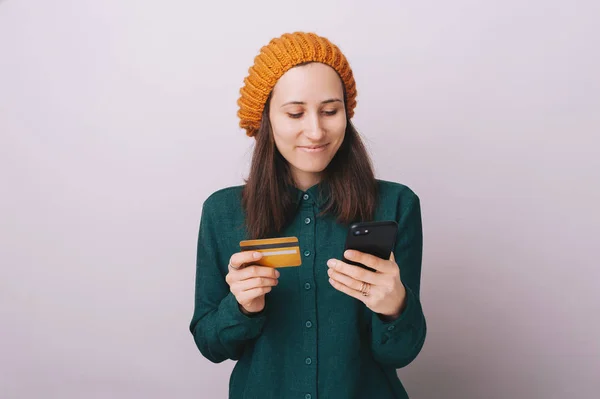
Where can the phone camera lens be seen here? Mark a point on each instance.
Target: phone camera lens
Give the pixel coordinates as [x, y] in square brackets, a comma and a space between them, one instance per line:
[357, 233]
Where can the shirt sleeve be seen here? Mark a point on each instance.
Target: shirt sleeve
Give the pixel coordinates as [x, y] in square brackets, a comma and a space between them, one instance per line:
[218, 326]
[397, 343]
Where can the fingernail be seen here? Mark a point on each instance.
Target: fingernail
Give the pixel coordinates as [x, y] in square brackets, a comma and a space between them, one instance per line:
[348, 254]
[256, 255]
[277, 274]
[331, 262]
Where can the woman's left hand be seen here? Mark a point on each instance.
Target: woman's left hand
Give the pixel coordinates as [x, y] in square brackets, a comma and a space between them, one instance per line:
[386, 292]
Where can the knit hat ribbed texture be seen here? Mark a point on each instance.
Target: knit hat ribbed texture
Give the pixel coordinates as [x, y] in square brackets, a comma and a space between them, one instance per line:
[275, 59]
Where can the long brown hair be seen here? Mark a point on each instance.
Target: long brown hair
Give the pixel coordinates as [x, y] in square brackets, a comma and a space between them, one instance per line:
[269, 203]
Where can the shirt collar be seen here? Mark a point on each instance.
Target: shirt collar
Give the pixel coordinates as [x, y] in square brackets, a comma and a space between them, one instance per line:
[319, 193]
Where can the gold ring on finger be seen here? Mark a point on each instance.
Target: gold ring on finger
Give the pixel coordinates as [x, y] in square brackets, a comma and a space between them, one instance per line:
[366, 287]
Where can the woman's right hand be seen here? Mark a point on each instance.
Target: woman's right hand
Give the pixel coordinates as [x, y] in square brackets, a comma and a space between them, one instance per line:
[249, 283]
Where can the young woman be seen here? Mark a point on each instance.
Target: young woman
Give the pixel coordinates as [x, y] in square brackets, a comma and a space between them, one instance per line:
[326, 329]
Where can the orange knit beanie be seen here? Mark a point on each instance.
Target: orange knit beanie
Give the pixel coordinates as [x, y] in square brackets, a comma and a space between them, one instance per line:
[276, 58]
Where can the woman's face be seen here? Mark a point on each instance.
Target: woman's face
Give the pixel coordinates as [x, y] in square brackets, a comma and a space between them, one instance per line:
[306, 111]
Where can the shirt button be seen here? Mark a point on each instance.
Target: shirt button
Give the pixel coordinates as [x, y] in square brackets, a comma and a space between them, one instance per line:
[308, 324]
[308, 360]
[307, 286]
[307, 396]
[305, 196]
[390, 328]
[306, 253]
[307, 220]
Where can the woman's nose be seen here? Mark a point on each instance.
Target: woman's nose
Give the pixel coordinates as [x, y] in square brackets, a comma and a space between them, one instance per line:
[313, 127]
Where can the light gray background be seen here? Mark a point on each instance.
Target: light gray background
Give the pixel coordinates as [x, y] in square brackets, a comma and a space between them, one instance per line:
[117, 119]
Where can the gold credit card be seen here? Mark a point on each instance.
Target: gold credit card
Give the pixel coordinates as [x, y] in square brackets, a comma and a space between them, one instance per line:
[276, 252]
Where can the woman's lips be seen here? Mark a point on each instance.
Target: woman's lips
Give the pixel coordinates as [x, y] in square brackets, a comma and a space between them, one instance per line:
[313, 150]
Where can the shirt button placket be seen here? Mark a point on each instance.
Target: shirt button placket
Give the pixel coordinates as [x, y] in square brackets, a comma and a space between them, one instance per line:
[308, 233]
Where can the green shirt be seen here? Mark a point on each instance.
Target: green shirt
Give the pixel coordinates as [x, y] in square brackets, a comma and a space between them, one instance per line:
[311, 341]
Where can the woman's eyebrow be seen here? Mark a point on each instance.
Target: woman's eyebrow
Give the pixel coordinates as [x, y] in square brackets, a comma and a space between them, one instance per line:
[331, 100]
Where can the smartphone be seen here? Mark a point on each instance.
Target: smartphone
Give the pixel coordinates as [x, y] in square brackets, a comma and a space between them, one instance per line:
[375, 238]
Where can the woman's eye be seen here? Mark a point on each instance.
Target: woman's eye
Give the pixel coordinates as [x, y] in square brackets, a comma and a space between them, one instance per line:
[299, 114]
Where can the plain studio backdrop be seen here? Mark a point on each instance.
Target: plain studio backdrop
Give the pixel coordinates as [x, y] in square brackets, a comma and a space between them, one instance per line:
[118, 119]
